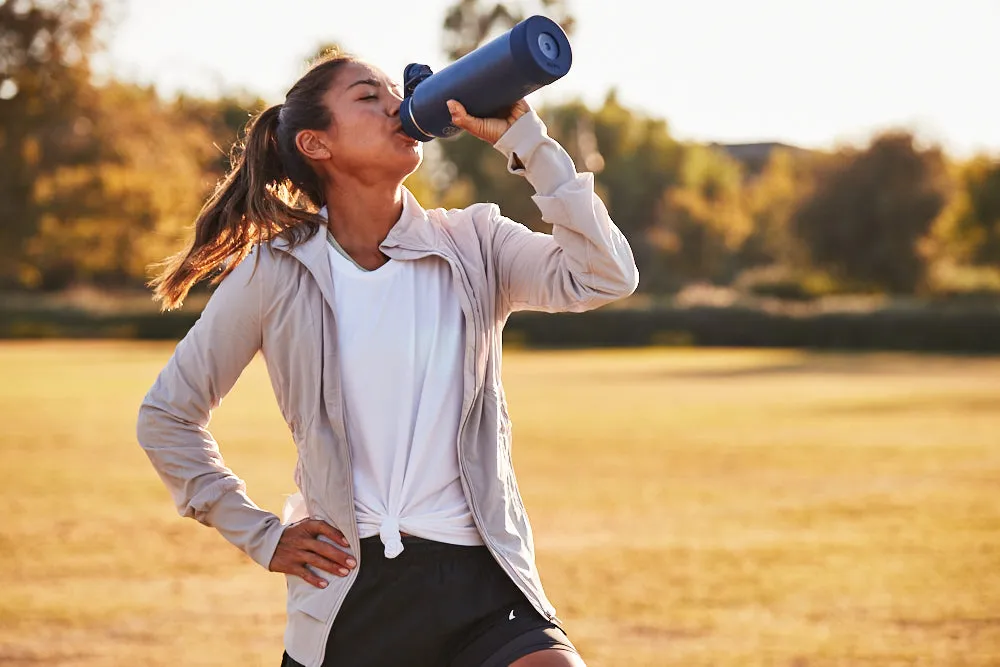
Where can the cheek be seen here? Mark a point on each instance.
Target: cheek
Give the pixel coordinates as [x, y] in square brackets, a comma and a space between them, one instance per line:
[363, 135]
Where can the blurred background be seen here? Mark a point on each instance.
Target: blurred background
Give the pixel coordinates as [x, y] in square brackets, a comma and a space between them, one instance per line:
[779, 149]
[792, 176]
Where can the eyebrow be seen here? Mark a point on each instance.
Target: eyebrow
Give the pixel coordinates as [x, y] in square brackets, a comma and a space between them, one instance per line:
[364, 82]
[372, 82]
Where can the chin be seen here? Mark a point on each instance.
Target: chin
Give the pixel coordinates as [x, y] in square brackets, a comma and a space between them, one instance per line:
[416, 160]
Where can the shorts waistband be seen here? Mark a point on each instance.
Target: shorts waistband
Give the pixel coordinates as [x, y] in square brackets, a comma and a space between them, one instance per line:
[373, 547]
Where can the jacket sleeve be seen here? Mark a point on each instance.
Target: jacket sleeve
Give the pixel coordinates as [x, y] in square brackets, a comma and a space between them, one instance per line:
[586, 261]
[173, 418]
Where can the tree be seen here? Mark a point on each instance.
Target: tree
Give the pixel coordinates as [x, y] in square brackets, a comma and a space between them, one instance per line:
[45, 102]
[972, 227]
[106, 220]
[703, 221]
[871, 209]
[224, 118]
[772, 197]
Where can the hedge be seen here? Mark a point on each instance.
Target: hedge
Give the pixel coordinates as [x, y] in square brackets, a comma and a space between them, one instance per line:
[931, 328]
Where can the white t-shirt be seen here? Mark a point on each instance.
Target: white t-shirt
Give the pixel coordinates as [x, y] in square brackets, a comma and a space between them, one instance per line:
[401, 345]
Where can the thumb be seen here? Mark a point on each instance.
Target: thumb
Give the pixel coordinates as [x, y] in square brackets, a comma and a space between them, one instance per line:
[460, 118]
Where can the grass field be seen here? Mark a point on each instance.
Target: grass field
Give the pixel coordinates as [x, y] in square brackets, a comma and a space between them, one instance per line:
[690, 508]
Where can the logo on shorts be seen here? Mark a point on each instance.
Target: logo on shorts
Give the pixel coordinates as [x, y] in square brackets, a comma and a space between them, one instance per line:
[511, 617]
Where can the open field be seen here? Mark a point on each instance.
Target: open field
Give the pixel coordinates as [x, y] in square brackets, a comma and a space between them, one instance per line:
[730, 508]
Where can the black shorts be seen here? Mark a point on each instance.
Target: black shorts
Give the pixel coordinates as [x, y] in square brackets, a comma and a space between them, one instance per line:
[435, 605]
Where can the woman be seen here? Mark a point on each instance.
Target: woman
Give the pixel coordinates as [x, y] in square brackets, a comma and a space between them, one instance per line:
[380, 324]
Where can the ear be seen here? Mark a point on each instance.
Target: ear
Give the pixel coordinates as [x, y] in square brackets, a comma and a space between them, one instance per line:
[312, 146]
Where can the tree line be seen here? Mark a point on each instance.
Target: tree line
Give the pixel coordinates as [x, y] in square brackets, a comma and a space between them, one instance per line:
[99, 180]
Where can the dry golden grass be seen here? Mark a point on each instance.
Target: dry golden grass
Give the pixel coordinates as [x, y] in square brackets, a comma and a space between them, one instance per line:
[732, 508]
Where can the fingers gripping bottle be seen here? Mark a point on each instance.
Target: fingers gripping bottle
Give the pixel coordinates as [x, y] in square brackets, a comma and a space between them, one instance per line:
[487, 81]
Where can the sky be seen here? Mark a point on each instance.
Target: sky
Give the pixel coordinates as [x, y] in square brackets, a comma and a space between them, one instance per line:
[814, 73]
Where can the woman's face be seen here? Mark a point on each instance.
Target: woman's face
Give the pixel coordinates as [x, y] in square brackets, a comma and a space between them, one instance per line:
[364, 140]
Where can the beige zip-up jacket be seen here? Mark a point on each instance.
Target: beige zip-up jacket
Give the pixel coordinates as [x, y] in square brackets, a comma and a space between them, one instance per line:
[284, 309]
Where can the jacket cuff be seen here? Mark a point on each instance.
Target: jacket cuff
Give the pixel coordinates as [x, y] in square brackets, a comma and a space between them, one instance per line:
[532, 153]
[252, 529]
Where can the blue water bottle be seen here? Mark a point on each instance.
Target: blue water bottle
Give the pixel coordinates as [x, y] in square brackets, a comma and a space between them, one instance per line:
[487, 81]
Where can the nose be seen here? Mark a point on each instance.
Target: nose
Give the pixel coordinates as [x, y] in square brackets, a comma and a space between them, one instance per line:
[394, 104]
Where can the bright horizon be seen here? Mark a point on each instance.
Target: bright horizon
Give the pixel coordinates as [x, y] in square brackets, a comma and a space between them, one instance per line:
[775, 70]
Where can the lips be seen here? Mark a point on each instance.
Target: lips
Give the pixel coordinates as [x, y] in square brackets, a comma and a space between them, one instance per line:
[401, 133]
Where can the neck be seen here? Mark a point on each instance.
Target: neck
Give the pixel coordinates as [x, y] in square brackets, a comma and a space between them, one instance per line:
[360, 216]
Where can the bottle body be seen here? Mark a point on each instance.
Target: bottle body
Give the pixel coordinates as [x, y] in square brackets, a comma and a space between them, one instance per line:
[489, 80]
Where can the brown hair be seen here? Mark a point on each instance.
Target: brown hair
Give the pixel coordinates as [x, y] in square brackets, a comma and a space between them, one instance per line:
[270, 189]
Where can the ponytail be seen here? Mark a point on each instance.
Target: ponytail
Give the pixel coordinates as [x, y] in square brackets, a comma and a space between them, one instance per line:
[270, 191]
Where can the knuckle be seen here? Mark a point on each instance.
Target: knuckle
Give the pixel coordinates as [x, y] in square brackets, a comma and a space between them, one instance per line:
[338, 556]
[320, 547]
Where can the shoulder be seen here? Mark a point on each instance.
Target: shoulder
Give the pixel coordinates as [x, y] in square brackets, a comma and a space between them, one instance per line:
[476, 218]
[257, 272]
[257, 263]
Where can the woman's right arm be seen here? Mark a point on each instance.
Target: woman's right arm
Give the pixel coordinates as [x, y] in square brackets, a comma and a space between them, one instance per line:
[173, 419]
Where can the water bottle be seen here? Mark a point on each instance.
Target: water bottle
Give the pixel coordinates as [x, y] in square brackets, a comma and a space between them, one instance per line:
[487, 81]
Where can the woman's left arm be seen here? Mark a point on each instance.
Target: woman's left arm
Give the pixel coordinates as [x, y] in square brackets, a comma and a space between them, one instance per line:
[586, 261]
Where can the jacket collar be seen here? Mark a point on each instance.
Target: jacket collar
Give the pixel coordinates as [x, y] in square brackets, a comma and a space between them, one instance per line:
[413, 231]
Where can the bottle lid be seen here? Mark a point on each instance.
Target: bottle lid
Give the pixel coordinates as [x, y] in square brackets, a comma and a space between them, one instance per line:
[540, 47]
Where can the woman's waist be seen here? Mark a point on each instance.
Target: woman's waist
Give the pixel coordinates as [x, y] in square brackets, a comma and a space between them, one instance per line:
[449, 528]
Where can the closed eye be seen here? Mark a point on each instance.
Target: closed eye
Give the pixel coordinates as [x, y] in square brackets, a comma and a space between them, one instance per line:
[370, 97]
